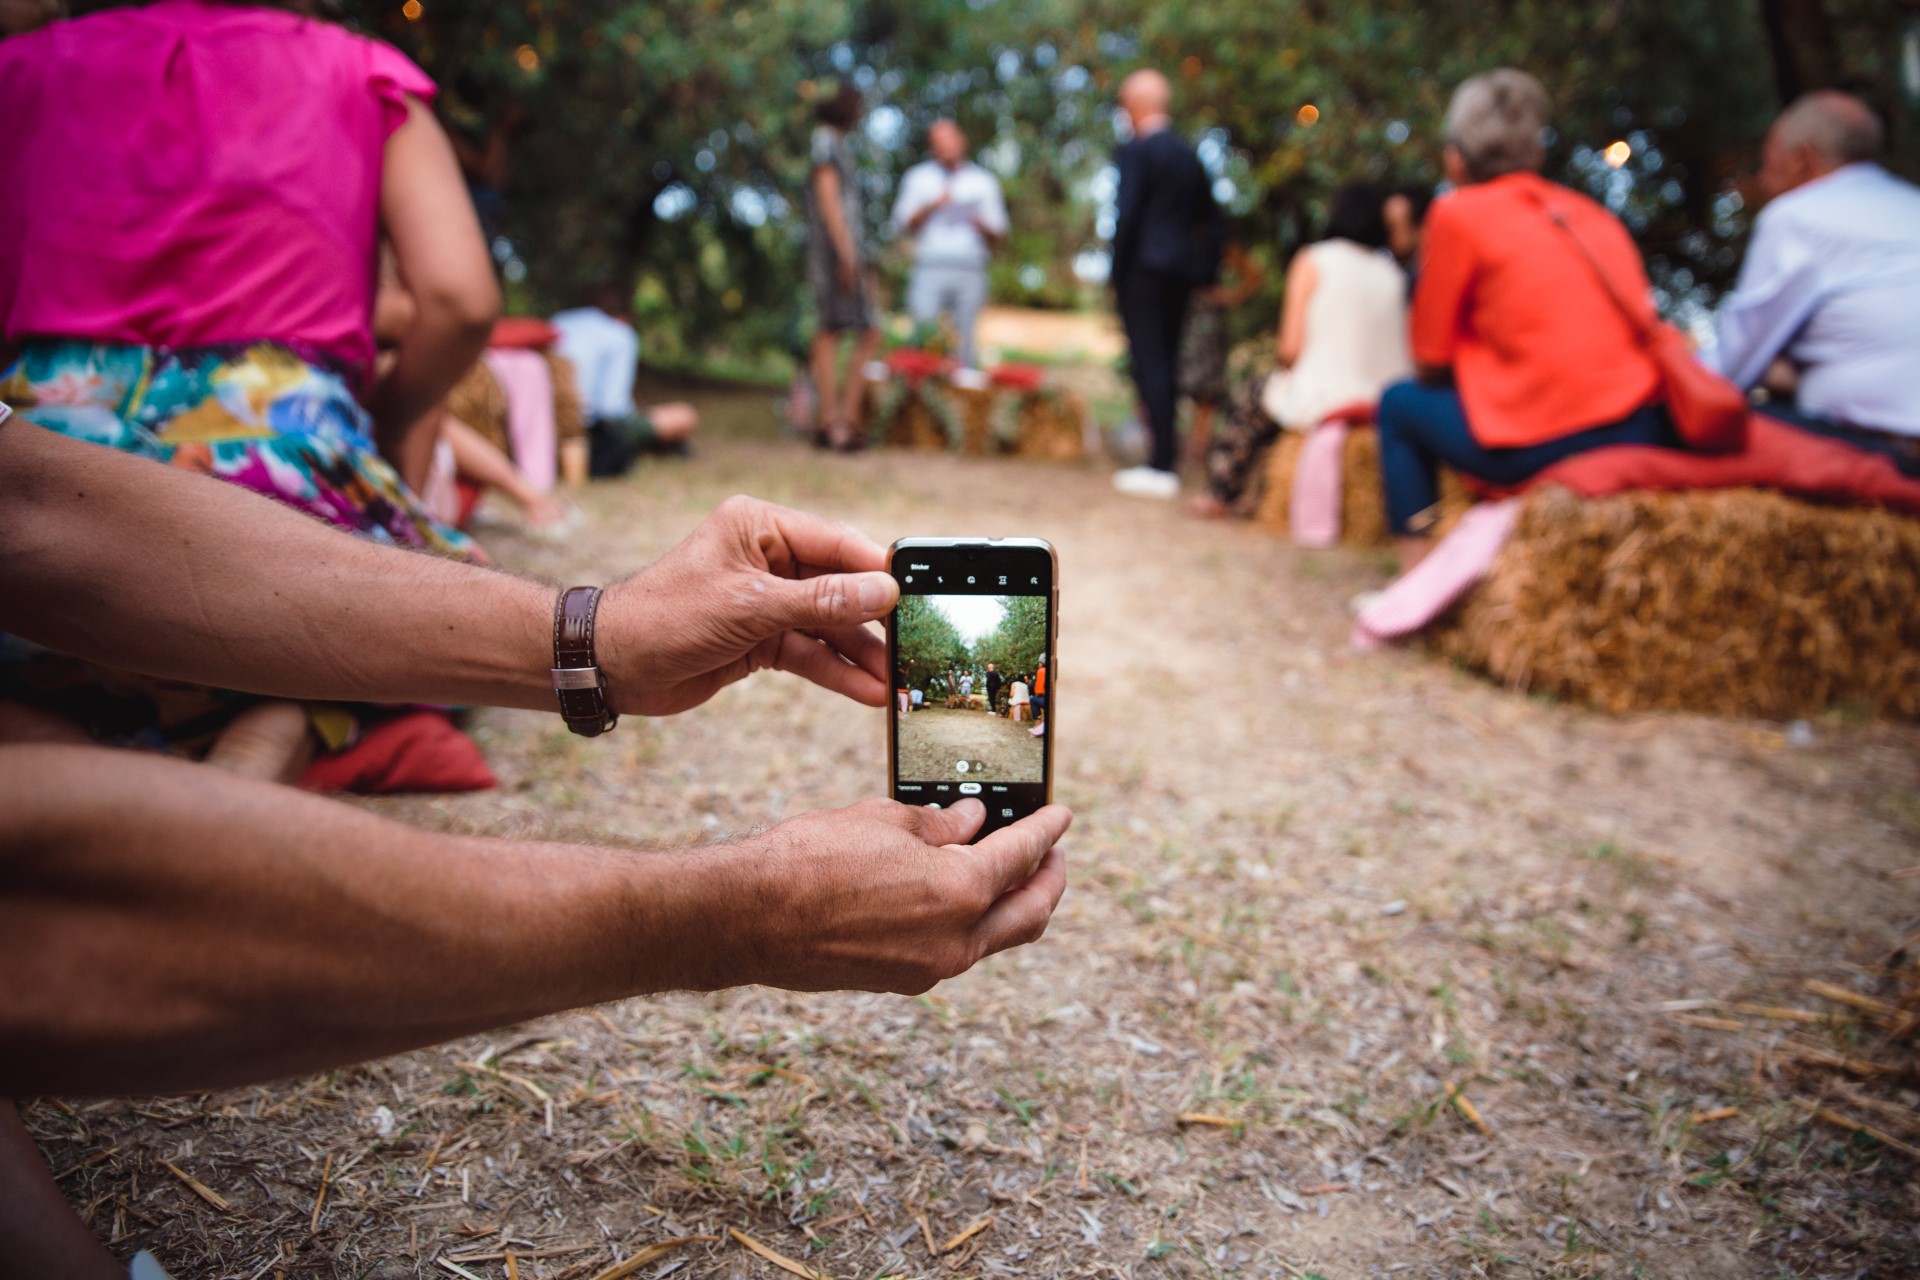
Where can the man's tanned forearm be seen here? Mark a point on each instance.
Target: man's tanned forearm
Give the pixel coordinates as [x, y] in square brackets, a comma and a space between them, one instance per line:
[214, 930]
[288, 607]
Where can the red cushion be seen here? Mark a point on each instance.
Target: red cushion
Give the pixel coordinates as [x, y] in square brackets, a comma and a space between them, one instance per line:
[418, 751]
[1020, 377]
[523, 331]
[913, 364]
[1357, 414]
[1777, 456]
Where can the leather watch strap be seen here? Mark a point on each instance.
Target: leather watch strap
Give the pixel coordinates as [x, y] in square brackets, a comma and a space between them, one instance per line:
[578, 681]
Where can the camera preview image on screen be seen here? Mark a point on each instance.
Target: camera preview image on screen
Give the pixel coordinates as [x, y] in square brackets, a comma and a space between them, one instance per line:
[970, 688]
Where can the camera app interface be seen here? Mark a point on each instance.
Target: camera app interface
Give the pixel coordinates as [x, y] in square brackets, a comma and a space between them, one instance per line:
[970, 684]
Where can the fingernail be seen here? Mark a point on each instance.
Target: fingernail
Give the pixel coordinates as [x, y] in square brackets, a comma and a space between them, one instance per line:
[873, 593]
[969, 804]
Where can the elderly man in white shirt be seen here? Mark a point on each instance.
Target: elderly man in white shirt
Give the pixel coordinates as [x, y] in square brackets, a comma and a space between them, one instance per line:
[601, 345]
[954, 210]
[1827, 310]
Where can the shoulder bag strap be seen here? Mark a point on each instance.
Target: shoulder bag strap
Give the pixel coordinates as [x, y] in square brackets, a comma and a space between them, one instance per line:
[1641, 322]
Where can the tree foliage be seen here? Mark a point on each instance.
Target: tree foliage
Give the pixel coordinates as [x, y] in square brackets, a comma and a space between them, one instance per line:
[928, 644]
[668, 138]
[1019, 644]
[930, 648]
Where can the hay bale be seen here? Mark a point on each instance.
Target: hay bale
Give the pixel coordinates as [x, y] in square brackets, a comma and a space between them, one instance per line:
[913, 425]
[1363, 510]
[975, 411]
[569, 410]
[478, 401]
[1052, 427]
[1737, 602]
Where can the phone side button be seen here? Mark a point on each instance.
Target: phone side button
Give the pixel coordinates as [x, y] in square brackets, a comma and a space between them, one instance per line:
[969, 788]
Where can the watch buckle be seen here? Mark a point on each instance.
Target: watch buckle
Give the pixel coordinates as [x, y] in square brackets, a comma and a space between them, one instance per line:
[570, 678]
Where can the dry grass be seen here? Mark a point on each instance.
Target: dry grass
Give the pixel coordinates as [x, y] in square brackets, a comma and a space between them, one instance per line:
[1326, 911]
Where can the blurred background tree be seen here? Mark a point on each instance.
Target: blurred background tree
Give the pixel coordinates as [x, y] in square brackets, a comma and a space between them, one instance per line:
[666, 142]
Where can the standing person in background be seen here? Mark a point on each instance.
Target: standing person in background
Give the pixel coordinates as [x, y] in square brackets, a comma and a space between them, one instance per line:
[1040, 691]
[837, 273]
[957, 216]
[598, 340]
[1826, 314]
[994, 681]
[1166, 244]
[1203, 357]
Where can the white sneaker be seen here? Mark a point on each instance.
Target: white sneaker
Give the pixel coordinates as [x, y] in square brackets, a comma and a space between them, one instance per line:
[1147, 482]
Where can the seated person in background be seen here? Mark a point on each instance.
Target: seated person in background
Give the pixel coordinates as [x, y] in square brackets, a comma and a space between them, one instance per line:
[1405, 213]
[1342, 340]
[462, 454]
[342, 935]
[1827, 310]
[1523, 357]
[599, 342]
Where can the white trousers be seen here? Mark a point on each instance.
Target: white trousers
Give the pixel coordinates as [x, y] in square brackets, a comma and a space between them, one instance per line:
[936, 289]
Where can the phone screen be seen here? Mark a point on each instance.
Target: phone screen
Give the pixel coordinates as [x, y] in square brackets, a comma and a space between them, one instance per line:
[974, 689]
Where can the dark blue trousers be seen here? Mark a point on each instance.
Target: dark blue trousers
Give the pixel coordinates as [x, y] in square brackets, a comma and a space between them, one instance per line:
[1423, 426]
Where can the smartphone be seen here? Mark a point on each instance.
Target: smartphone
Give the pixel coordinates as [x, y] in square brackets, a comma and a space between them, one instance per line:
[975, 684]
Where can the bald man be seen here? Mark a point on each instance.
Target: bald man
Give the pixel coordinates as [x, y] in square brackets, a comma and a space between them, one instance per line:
[1167, 242]
[957, 217]
[1829, 296]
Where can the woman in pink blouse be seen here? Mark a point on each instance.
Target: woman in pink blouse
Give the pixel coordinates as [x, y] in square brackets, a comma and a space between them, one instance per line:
[191, 200]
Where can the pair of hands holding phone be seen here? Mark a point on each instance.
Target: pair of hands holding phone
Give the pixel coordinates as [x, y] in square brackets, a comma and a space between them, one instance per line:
[878, 896]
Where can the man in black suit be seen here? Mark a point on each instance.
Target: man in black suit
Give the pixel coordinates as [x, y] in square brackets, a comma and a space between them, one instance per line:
[1167, 243]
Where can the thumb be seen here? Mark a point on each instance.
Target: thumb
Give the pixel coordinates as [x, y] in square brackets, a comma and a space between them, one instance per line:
[830, 600]
[954, 825]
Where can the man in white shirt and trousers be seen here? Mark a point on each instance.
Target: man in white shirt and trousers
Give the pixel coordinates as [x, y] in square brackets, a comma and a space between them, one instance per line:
[1826, 314]
[600, 343]
[954, 210]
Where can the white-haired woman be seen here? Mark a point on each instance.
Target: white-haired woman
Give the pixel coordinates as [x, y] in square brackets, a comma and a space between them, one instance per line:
[1522, 356]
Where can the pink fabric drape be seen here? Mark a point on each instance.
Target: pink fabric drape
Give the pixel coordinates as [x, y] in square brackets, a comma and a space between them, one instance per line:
[528, 384]
[1315, 510]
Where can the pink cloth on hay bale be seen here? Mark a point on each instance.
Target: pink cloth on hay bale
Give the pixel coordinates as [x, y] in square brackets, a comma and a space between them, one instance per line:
[527, 382]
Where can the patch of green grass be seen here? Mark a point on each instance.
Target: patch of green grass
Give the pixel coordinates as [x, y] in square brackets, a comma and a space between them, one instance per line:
[1021, 1108]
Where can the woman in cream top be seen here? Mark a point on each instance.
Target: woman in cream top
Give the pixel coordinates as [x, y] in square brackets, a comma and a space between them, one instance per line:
[1343, 330]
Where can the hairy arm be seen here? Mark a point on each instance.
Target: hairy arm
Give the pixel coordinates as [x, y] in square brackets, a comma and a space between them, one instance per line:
[231, 589]
[167, 927]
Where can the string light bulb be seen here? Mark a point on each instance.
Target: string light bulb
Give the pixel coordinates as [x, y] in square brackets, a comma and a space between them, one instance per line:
[412, 10]
[1617, 154]
[1308, 116]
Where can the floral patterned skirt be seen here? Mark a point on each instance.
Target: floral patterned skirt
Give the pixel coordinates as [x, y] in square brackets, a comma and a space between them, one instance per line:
[257, 416]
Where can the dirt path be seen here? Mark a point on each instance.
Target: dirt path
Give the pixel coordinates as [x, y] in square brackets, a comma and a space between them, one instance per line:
[1331, 887]
[934, 741]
